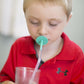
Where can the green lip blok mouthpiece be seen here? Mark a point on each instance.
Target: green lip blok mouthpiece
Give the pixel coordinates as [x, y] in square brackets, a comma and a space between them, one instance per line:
[41, 40]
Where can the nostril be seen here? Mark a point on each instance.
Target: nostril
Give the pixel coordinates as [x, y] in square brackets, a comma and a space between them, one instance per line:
[42, 32]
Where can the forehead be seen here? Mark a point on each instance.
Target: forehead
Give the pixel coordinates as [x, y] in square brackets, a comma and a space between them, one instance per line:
[61, 2]
[47, 11]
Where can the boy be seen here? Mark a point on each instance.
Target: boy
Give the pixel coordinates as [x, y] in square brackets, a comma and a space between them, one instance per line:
[62, 59]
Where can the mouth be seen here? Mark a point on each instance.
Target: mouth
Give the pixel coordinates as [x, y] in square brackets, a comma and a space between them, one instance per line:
[41, 40]
[41, 35]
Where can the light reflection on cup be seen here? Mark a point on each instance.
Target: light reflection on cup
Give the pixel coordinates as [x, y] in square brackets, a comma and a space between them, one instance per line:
[24, 74]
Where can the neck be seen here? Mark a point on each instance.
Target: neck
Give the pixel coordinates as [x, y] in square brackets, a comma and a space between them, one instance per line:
[54, 45]
[51, 50]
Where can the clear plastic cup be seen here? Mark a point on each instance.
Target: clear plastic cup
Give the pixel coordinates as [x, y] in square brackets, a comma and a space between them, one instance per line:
[24, 74]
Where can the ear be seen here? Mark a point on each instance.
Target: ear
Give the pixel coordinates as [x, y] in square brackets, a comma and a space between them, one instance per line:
[69, 17]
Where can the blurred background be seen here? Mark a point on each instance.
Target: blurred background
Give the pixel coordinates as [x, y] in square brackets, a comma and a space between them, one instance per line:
[13, 25]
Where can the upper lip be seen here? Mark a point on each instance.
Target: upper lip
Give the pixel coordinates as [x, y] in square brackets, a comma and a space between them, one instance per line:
[43, 35]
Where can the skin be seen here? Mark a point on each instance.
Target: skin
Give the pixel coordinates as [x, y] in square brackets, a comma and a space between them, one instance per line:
[7, 82]
[10, 82]
[48, 21]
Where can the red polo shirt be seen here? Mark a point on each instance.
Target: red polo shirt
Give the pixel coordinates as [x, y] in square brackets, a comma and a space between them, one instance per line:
[66, 68]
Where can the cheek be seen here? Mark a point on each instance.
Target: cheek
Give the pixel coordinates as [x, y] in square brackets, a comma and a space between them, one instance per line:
[32, 30]
[56, 32]
[61, 27]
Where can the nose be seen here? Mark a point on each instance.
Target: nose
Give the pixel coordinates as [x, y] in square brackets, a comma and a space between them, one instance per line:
[43, 30]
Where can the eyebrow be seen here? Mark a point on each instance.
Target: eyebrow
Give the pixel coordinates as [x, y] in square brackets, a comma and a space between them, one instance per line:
[33, 17]
[56, 19]
[51, 19]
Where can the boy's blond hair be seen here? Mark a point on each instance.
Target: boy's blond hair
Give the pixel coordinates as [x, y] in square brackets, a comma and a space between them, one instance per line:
[67, 4]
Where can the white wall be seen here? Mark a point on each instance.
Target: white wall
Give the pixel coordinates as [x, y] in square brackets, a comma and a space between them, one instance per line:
[20, 27]
[75, 28]
[5, 16]
[12, 21]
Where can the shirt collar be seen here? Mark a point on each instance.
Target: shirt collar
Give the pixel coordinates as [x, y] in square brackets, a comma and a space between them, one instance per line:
[28, 46]
[67, 52]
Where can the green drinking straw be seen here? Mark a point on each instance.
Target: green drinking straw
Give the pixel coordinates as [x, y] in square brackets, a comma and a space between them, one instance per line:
[41, 40]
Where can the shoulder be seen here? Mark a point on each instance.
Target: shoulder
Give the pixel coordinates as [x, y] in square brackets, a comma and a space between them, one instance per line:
[71, 48]
[75, 48]
[23, 39]
[23, 42]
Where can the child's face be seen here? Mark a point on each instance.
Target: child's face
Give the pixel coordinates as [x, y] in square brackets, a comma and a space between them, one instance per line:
[48, 21]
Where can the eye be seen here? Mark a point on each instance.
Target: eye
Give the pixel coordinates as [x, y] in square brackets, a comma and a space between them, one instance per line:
[34, 22]
[53, 24]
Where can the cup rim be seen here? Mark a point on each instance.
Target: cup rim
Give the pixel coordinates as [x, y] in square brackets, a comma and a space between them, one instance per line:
[27, 68]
